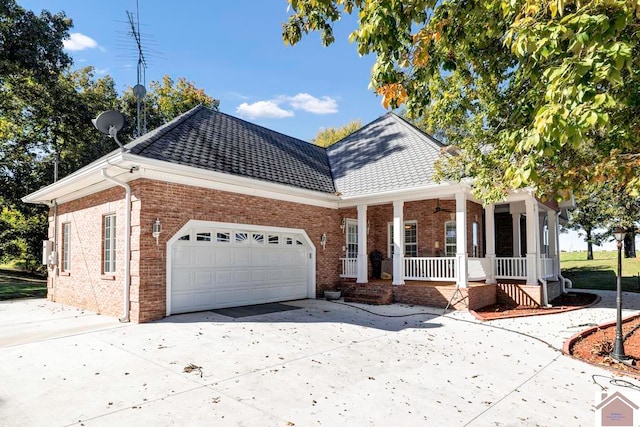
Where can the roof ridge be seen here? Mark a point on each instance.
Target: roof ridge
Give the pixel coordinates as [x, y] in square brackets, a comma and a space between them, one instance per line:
[416, 129]
[143, 142]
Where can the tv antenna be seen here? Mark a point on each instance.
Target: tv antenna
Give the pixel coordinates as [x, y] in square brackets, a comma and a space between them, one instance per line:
[110, 122]
[139, 91]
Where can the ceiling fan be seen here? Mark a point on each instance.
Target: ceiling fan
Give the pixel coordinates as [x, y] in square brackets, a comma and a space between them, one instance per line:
[439, 209]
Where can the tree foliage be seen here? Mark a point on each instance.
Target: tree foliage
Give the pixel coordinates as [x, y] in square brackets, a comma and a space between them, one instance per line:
[594, 209]
[329, 136]
[534, 94]
[164, 101]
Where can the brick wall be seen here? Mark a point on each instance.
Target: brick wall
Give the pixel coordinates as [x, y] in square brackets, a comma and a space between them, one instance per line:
[176, 204]
[469, 298]
[520, 294]
[84, 285]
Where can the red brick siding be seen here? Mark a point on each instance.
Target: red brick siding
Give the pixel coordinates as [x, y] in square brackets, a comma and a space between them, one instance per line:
[470, 298]
[520, 294]
[176, 204]
[84, 285]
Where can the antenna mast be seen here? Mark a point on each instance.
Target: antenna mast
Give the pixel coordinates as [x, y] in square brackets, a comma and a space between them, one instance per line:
[139, 90]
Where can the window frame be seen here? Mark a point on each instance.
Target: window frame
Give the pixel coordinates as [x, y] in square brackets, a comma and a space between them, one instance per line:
[351, 246]
[406, 245]
[109, 244]
[448, 246]
[66, 246]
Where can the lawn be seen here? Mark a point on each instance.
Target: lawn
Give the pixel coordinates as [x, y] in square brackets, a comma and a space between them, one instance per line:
[15, 283]
[600, 273]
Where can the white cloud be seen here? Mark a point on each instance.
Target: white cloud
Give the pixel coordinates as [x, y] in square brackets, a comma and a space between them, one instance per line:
[311, 104]
[273, 109]
[263, 110]
[78, 41]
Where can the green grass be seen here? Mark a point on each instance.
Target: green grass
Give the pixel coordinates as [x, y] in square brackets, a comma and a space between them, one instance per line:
[600, 273]
[15, 283]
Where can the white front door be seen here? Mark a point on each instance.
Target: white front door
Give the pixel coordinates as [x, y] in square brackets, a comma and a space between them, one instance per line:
[216, 265]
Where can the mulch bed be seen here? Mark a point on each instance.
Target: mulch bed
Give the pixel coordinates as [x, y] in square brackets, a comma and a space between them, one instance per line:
[566, 302]
[593, 346]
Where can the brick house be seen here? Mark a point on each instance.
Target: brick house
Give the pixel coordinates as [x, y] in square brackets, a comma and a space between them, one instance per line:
[211, 211]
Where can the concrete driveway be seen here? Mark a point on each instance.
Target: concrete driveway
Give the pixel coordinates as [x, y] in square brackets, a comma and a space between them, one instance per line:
[323, 364]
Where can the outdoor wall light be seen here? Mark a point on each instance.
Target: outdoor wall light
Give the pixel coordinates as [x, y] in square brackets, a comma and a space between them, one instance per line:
[157, 228]
[323, 240]
[343, 224]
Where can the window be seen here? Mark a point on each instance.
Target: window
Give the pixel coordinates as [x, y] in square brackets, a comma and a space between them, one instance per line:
[352, 238]
[450, 238]
[258, 238]
[474, 240]
[222, 237]
[241, 237]
[410, 239]
[274, 239]
[66, 234]
[203, 237]
[109, 255]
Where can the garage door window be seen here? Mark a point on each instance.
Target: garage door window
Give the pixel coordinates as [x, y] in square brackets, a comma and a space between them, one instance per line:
[258, 238]
[223, 237]
[274, 239]
[203, 237]
[185, 237]
[241, 237]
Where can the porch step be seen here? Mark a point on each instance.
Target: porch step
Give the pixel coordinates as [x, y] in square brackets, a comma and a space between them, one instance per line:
[369, 293]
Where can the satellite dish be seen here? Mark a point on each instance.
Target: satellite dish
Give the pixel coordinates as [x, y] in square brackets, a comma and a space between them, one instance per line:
[139, 91]
[110, 122]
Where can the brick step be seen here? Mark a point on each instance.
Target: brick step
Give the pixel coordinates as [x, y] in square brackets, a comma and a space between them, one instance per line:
[368, 294]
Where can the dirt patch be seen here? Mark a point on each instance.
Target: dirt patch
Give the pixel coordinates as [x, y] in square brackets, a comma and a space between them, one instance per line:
[594, 345]
[567, 302]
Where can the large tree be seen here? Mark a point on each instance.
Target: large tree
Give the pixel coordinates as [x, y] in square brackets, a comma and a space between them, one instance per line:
[524, 88]
[594, 209]
[329, 136]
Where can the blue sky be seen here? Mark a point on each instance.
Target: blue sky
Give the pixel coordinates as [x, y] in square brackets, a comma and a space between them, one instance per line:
[234, 51]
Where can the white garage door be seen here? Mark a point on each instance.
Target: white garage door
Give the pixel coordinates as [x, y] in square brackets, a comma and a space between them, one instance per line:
[213, 265]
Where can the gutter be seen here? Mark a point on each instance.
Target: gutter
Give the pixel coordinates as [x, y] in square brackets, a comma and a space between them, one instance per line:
[127, 246]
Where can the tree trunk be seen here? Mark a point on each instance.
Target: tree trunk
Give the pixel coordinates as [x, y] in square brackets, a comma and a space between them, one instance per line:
[589, 245]
[630, 243]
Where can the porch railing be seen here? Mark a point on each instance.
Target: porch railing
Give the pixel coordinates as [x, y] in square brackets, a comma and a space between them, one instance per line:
[511, 268]
[349, 267]
[420, 268]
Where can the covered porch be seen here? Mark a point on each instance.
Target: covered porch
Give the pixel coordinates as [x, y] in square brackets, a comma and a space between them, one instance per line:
[512, 245]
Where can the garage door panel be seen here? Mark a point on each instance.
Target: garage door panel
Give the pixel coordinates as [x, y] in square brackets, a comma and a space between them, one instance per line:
[203, 256]
[181, 256]
[181, 280]
[223, 256]
[217, 273]
[203, 278]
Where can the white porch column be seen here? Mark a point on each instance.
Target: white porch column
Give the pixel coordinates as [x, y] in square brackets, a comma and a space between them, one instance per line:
[362, 265]
[398, 242]
[517, 247]
[461, 239]
[490, 238]
[552, 224]
[533, 240]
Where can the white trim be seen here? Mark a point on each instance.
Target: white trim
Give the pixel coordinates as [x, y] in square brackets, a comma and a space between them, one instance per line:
[311, 269]
[350, 222]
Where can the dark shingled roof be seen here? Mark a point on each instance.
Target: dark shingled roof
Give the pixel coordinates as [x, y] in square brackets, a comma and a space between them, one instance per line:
[215, 141]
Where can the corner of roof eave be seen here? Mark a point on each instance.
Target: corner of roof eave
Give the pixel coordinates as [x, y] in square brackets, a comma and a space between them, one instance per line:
[46, 195]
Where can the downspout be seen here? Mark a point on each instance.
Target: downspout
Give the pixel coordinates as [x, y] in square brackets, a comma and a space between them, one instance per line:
[55, 269]
[127, 246]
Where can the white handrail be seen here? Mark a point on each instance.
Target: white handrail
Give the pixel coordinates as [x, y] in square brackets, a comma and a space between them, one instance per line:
[349, 267]
[432, 268]
[511, 268]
